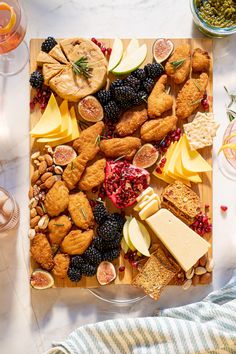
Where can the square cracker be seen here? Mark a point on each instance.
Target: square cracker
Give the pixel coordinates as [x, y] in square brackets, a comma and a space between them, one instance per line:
[156, 274]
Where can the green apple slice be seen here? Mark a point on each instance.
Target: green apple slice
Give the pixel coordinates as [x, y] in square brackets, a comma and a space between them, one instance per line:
[132, 47]
[139, 236]
[126, 234]
[131, 62]
[124, 245]
[116, 54]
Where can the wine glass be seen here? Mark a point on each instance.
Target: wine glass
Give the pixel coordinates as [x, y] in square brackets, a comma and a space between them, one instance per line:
[14, 52]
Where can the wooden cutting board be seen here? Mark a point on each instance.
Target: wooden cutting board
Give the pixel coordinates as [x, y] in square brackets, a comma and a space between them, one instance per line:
[204, 190]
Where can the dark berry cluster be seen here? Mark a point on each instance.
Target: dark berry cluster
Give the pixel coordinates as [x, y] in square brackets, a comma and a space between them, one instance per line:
[36, 79]
[132, 91]
[48, 44]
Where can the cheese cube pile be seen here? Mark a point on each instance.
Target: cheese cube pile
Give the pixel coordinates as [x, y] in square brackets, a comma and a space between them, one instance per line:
[148, 203]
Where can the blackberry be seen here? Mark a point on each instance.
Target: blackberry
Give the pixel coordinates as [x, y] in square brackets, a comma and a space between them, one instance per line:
[74, 274]
[112, 111]
[92, 256]
[107, 231]
[116, 83]
[124, 93]
[100, 213]
[124, 105]
[132, 82]
[148, 84]
[48, 44]
[109, 245]
[154, 70]
[88, 270]
[118, 219]
[36, 79]
[76, 262]
[111, 255]
[141, 98]
[104, 96]
[98, 243]
[139, 74]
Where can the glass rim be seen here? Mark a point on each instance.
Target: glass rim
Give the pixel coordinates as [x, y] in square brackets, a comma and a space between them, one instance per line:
[19, 15]
[205, 25]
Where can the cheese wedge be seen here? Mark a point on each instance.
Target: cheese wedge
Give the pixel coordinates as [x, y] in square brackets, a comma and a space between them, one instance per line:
[50, 122]
[163, 176]
[185, 245]
[147, 191]
[147, 199]
[149, 209]
[192, 160]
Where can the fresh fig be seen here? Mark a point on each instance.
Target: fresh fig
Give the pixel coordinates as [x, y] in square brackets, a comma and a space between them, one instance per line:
[106, 273]
[63, 154]
[146, 156]
[162, 49]
[40, 279]
[90, 109]
[124, 182]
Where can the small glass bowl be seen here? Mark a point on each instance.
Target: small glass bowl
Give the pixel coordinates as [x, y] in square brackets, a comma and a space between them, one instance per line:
[207, 29]
[13, 218]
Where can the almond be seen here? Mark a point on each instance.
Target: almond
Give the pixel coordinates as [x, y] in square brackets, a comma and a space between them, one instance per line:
[31, 192]
[48, 160]
[42, 167]
[210, 265]
[33, 213]
[187, 284]
[35, 155]
[39, 210]
[190, 273]
[50, 182]
[200, 270]
[45, 176]
[41, 158]
[35, 177]
[203, 260]
[34, 221]
[195, 279]
[76, 242]
[205, 278]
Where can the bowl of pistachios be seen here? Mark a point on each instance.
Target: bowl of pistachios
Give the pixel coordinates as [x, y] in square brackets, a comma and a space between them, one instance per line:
[215, 18]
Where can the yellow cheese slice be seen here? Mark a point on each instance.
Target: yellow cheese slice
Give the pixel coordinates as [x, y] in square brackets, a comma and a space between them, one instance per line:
[50, 122]
[148, 191]
[146, 200]
[192, 160]
[151, 208]
[178, 168]
[65, 125]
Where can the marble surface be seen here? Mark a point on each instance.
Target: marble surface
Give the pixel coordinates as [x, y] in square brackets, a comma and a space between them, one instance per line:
[31, 320]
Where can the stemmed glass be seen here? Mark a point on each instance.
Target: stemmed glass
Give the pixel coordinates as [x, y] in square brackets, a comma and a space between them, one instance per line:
[13, 50]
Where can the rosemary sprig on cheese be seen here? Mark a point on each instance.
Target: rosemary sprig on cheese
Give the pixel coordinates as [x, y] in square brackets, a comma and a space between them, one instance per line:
[80, 67]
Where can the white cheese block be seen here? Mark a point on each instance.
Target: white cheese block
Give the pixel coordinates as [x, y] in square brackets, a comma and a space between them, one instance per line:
[146, 200]
[185, 245]
[147, 191]
[149, 209]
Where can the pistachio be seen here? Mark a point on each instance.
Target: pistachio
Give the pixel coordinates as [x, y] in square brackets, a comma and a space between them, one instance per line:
[48, 160]
[203, 260]
[35, 155]
[42, 167]
[190, 273]
[40, 210]
[200, 270]
[33, 213]
[195, 279]
[41, 158]
[58, 170]
[205, 278]
[43, 222]
[187, 284]
[31, 192]
[34, 221]
[210, 265]
[31, 233]
[33, 203]
[35, 176]
[45, 176]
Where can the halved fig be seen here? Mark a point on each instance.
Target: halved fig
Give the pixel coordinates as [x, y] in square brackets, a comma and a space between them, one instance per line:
[106, 273]
[40, 279]
[90, 109]
[162, 49]
[63, 154]
[146, 156]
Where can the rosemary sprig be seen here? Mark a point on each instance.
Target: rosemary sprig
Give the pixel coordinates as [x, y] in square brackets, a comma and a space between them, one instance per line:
[83, 212]
[196, 84]
[72, 166]
[168, 90]
[231, 114]
[98, 140]
[232, 98]
[177, 63]
[43, 207]
[195, 102]
[58, 224]
[80, 67]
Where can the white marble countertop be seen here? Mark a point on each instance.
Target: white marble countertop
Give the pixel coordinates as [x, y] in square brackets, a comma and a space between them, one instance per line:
[31, 320]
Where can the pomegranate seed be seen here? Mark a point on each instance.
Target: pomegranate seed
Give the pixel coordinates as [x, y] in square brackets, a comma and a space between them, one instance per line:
[32, 105]
[178, 131]
[121, 268]
[163, 143]
[99, 44]
[168, 143]
[109, 50]
[103, 49]
[126, 256]
[164, 149]
[162, 165]
[224, 208]
[134, 264]
[205, 219]
[176, 138]
[204, 96]
[94, 40]
[207, 206]
[92, 203]
[163, 160]
[94, 190]
[158, 170]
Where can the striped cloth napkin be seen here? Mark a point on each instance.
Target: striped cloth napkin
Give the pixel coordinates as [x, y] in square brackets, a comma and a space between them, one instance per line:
[208, 326]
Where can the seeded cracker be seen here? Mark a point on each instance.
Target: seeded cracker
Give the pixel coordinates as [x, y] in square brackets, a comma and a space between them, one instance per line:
[201, 131]
[156, 274]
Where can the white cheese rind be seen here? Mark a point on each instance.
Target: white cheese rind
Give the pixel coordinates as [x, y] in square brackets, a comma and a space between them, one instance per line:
[185, 245]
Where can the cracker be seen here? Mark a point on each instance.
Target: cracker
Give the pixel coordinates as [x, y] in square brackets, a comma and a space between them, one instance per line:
[156, 274]
[201, 131]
